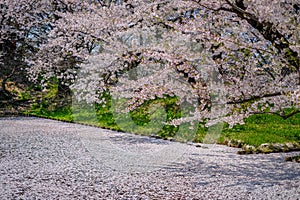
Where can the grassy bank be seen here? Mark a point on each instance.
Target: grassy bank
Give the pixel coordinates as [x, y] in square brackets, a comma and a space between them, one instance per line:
[257, 130]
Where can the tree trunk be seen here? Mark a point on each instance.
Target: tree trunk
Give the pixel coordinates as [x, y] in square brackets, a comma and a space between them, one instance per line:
[5, 94]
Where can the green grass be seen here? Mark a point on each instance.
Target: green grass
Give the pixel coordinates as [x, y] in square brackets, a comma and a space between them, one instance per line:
[266, 128]
[258, 129]
[64, 114]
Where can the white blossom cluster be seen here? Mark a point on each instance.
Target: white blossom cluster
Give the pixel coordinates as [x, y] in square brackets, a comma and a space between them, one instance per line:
[228, 58]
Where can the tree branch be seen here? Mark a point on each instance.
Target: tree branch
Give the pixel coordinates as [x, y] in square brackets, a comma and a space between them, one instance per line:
[253, 98]
[266, 28]
[269, 32]
[278, 114]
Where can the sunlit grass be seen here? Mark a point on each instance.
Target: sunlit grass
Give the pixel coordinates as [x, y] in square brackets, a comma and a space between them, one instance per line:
[258, 129]
[266, 128]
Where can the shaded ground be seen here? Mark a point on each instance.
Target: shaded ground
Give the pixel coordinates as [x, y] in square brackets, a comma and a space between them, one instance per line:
[45, 159]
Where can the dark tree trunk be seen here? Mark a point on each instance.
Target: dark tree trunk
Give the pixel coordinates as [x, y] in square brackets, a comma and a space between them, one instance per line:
[63, 90]
[4, 93]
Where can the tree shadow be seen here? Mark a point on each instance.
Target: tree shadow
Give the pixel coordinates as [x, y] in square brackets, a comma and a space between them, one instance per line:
[248, 170]
[130, 139]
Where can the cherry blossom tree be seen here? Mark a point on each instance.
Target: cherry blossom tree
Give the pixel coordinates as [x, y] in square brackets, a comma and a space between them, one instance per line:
[15, 25]
[25, 26]
[226, 59]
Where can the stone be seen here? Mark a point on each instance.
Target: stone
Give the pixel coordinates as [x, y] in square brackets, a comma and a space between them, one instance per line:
[292, 146]
[234, 143]
[248, 149]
